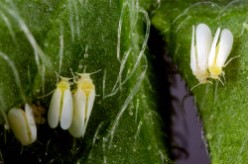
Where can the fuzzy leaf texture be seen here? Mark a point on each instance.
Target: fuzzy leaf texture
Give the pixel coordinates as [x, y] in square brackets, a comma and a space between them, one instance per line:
[223, 109]
[40, 39]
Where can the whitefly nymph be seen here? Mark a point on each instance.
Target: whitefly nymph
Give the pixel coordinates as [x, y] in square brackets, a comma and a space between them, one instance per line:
[200, 47]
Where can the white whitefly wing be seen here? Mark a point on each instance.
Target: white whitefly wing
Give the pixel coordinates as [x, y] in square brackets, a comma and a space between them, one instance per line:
[54, 109]
[212, 54]
[66, 110]
[203, 45]
[31, 123]
[18, 125]
[77, 128]
[90, 102]
[226, 43]
[193, 64]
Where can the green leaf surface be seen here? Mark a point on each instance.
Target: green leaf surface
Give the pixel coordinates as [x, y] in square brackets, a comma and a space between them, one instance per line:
[41, 39]
[223, 109]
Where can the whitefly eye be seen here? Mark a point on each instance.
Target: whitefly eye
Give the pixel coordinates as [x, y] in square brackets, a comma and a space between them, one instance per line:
[23, 125]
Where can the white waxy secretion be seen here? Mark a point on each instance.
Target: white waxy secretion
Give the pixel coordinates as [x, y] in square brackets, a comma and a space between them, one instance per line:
[61, 105]
[83, 100]
[200, 47]
[219, 52]
[23, 124]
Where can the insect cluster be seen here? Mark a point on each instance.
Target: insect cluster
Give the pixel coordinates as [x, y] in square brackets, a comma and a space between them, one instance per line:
[208, 56]
[71, 110]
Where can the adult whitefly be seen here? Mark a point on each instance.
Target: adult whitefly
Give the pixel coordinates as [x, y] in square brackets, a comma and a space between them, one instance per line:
[61, 105]
[83, 100]
[219, 52]
[200, 47]
[23, 125]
